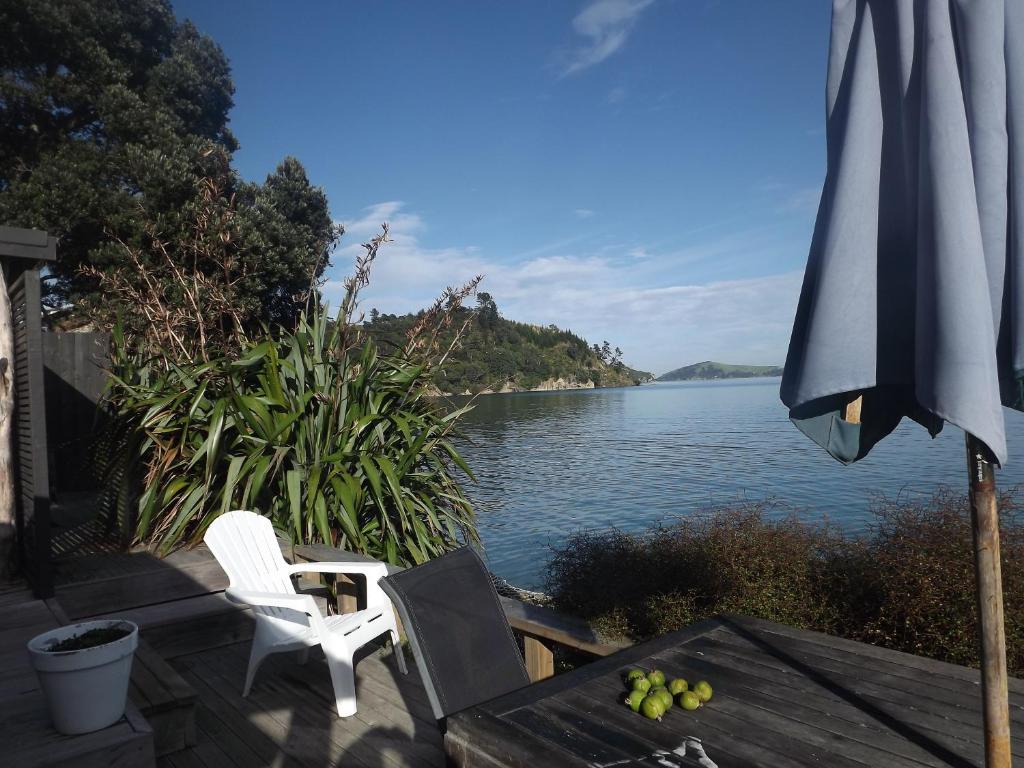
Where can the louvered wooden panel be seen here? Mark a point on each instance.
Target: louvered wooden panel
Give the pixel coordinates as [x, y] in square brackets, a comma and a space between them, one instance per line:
[33, 496]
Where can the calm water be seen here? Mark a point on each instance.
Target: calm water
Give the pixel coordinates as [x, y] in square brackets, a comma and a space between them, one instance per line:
[551, 463]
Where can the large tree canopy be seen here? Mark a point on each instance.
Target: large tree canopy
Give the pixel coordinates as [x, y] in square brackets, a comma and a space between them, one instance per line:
[113, 119]
[288, 234]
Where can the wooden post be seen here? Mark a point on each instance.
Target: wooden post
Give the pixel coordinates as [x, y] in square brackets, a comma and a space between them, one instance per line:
[540, 661]
[985, 525]
[350, 597]
[851, 412]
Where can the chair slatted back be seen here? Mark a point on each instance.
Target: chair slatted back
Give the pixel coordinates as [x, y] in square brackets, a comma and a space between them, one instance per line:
[247, 549]
[457, 630]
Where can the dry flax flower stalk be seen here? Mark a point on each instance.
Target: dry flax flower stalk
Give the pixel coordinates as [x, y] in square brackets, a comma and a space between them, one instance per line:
[187, 295]
[423, 340]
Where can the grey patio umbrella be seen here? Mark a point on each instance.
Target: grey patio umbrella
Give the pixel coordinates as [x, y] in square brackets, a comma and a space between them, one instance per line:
[913, 298]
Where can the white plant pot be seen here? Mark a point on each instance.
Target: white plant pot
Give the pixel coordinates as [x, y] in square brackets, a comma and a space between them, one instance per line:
[86, 690]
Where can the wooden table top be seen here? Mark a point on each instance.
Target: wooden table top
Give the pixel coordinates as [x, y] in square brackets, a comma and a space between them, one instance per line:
[782, 697]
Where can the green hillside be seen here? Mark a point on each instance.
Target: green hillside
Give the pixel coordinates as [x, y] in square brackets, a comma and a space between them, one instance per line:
[498, 354]
[712, 370]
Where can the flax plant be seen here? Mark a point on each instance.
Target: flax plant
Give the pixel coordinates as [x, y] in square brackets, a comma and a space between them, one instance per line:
[311, 427]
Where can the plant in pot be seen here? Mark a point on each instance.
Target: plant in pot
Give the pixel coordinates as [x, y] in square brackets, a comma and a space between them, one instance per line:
[84, 671]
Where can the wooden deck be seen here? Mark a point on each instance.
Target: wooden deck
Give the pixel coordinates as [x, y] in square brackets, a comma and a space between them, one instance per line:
[289, 717]
[187, 625]
[782, 697]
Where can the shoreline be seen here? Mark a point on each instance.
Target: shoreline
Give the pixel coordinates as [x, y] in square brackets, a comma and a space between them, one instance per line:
[577, 387]
[715, 378]
[548, 385]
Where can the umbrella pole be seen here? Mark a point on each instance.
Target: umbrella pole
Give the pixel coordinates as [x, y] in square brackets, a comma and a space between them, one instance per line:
[985, 526]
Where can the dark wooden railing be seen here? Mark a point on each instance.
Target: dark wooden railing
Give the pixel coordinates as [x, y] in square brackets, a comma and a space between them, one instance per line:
[542, 629]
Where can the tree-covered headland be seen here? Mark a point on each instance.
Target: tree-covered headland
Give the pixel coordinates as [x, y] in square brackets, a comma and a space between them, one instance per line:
[496, 354]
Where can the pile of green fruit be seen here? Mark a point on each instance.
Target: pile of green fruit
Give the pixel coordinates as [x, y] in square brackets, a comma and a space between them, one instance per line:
[651, 697]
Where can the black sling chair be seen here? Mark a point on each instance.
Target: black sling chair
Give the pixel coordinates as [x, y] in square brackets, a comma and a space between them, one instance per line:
[458, 632]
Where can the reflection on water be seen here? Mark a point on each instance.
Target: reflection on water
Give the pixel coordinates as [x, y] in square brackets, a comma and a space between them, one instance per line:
[550, 463]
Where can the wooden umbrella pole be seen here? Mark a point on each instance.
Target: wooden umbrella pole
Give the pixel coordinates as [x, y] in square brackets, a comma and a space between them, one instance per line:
[851, 412]
[985, 525]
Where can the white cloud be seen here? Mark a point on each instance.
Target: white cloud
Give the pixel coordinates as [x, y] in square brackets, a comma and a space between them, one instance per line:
[406, 276]
[368, 223]
[740, 321]
[617, 95]
[583, 213]
[638, 298]
[605, 26]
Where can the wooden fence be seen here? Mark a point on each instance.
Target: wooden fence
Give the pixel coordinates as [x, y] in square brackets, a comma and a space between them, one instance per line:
[74, 367]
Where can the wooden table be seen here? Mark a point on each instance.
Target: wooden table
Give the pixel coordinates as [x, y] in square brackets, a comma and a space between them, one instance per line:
[783, 697]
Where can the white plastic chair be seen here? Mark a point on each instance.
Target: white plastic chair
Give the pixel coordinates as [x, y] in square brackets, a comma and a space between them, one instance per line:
[247, 549]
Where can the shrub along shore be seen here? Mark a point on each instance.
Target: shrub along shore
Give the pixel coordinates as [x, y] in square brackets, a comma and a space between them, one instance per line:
[907, 584]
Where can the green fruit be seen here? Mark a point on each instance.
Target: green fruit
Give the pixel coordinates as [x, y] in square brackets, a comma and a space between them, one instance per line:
[641, 684]
[689, 700]
[651, 708]
[662, 693]
[657, 677]
[677, 686]
[634, 674]
[634, 699]
[703, 690]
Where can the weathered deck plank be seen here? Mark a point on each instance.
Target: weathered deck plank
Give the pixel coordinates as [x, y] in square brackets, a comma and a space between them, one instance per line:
[96, 584]
[289, 719]
[14, 593]
[166, 701]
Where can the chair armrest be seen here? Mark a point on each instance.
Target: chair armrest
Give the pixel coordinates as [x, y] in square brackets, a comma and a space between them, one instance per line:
[301, 603]
[370, 570]
[373, 572]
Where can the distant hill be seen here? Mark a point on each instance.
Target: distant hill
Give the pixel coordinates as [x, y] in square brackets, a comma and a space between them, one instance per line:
[499, 355]
[712, 370]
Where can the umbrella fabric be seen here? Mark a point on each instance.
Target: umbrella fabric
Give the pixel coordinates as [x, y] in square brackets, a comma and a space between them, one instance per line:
[914, 288]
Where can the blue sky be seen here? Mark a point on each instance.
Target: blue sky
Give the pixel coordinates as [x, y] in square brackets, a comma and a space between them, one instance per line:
[642, 171]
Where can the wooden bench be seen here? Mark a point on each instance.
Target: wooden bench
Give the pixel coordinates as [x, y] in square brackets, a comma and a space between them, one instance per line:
[166, 701]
